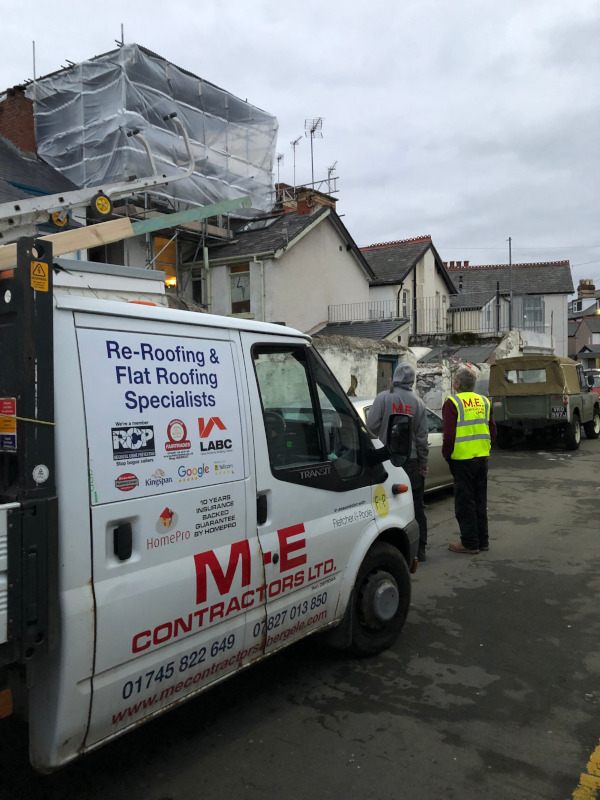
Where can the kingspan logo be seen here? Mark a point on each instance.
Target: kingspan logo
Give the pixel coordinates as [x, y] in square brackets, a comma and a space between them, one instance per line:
[205, 428]
[158, 479]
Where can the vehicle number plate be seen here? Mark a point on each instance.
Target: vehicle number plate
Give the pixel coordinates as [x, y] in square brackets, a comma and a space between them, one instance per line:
[559, 411]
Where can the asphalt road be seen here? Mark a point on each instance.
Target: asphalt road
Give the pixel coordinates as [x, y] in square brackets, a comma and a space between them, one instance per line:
[492, 691]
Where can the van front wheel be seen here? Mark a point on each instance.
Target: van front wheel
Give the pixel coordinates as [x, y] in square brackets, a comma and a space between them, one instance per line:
[380, 601]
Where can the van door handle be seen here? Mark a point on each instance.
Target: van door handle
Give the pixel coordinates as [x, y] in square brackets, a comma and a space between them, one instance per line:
[261, 509]
[123, 541]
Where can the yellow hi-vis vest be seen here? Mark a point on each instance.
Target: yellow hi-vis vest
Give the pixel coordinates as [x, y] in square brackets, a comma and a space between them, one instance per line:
[472, 426]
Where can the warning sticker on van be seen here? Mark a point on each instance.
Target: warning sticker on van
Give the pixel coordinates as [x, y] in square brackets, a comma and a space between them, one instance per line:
[159, 405]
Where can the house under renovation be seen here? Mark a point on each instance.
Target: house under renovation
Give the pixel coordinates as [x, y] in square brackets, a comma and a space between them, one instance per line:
[155, 140]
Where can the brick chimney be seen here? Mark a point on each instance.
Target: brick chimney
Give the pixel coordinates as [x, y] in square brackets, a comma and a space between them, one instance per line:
[310, 200]
[16, 120]
[586, 288]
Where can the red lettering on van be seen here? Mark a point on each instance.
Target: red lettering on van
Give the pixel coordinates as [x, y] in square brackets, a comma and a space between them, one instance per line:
[286, 547]
[208, 560]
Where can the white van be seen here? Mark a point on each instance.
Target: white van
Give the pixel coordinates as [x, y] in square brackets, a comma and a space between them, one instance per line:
[184, 494]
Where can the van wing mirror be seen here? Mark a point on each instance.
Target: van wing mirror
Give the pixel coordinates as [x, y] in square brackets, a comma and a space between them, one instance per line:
[590, 381]
[399, 437]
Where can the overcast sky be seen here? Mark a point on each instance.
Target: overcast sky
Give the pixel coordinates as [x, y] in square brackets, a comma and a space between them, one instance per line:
[469, 120]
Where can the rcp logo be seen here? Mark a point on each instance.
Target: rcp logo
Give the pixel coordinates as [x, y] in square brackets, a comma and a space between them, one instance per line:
[133, 442]
[205, 429]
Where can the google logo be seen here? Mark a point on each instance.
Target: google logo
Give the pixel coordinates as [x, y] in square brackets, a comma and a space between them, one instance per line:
[191, 474]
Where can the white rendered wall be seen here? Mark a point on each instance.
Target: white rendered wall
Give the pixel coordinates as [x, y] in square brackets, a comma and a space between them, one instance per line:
[556, 320]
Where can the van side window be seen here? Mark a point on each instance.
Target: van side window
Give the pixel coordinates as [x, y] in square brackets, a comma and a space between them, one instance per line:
[311, 429]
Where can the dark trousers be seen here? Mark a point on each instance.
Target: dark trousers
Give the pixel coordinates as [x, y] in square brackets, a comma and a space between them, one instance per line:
[470, 501]
[417, 483]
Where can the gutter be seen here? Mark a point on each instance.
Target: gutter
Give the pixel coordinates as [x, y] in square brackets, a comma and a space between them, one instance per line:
[217, 262]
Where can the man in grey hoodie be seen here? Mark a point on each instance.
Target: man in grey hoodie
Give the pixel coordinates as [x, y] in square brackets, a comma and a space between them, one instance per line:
[401, 399]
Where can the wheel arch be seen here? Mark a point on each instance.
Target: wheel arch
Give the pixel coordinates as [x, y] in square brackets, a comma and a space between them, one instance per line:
[341, 634]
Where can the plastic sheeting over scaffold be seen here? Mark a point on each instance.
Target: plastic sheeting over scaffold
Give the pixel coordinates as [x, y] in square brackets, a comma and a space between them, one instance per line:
[83, 115]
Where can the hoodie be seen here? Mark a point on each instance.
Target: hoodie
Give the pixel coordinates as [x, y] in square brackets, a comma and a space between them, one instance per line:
[401, 399]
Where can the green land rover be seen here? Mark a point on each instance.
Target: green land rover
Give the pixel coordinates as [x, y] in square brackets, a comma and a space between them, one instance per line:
[535, 393]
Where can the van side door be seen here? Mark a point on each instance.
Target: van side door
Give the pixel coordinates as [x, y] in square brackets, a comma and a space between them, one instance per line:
[173, 531]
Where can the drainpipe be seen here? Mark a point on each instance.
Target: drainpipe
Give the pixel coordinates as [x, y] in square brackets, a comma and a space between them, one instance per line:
[262, 288]
[398, 299]
[206, 277]
[415, 301]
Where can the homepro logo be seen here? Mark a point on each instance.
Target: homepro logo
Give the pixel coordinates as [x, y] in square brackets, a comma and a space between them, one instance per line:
[133, 442]
[205, 428]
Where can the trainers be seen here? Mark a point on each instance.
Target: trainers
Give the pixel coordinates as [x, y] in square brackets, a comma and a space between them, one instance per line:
[458, 547]
[484, 547]
[421, 556]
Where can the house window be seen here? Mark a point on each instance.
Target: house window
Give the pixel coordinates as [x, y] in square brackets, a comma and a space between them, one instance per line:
[405, 305]
[165, 260]
[533, 313]
[113, 253]
[240, 288]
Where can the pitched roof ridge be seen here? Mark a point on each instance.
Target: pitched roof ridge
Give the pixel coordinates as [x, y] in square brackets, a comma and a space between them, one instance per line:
[415, 240]
[507, 266]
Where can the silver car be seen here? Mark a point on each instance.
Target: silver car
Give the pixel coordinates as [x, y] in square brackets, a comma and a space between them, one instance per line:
[439, 472]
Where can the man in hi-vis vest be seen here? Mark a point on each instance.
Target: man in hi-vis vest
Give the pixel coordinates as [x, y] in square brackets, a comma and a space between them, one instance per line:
[469, 430]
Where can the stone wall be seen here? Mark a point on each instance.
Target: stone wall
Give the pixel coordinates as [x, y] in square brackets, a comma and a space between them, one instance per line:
[353, 360]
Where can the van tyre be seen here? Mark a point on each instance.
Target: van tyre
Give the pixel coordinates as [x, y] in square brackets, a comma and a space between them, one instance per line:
[592, 428]
[573, 433]
[380, 600]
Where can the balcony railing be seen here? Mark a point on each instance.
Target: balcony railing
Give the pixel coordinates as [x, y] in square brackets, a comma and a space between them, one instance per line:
[468, 312]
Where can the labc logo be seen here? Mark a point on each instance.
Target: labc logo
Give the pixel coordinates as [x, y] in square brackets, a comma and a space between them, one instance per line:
[206, 429]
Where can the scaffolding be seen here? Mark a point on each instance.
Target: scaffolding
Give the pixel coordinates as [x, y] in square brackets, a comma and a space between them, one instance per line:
[85, 116]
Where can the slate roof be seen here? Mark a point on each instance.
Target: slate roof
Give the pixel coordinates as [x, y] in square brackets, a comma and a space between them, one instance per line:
[391, 262]
[590, 348]
[371, 329]
[267, 235]
[473, 354]
[479, 283]
[23, 176]
[581, 315]
[593, 323]
[572, 328]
